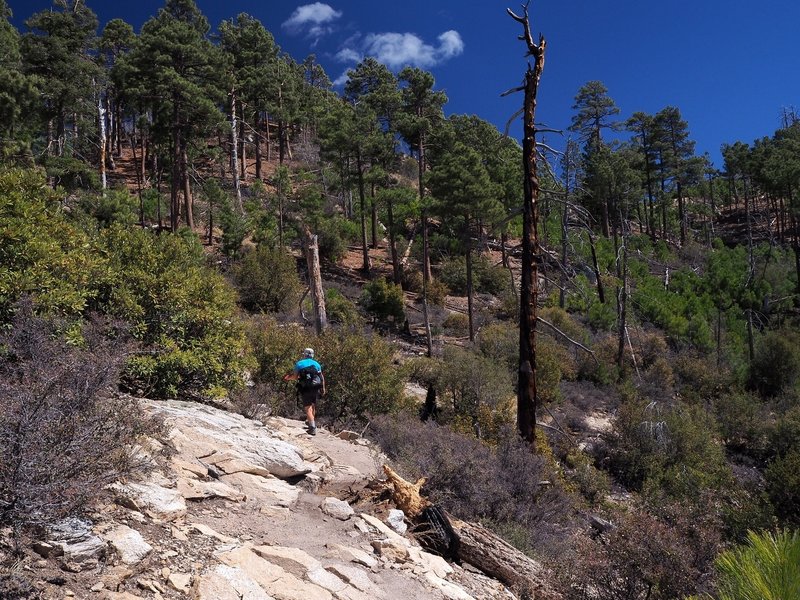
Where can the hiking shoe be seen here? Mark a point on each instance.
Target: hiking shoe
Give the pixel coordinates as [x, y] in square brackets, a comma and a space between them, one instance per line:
[312, 431]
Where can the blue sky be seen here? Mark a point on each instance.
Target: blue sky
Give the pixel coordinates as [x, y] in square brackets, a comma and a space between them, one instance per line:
[729, 65]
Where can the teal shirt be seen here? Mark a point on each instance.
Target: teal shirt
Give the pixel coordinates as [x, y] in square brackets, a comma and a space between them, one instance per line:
[307, 362]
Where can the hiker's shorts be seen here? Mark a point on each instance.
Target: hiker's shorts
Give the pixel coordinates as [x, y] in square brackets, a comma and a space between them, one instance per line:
[310, 397]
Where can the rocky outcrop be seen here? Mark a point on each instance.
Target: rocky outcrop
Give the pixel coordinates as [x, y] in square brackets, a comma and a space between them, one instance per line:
[238, 511]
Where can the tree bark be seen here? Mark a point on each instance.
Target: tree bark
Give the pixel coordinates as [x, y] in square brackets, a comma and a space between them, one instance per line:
[188, 204]
[101, 115]
[470, 313]
[235, 154]
[527, 396]
[365, 265]
[397, 274]
[315, 281]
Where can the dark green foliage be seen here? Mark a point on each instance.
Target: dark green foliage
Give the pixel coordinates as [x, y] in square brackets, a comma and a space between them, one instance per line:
[776, 364]
[384, 300]
[335, 234]
[341, 310]
[487, 278]
[179, 309]
[783, 486]
[360, 374]
[235, 227]
[71, 173]
[267, 280]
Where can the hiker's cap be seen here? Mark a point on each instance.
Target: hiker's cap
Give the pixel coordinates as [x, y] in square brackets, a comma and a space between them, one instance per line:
[308, 353]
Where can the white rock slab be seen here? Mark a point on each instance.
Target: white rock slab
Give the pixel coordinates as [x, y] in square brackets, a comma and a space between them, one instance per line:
[152, 498]
[277, 582]
[74, 539]
[129, 544]
[338, 509]
[228, 583]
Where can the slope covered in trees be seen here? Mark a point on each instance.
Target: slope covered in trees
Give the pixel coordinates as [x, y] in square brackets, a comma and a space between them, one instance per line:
[172, 180]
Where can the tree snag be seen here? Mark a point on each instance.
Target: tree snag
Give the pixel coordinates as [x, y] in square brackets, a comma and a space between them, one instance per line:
[529, 288]
[315, 280]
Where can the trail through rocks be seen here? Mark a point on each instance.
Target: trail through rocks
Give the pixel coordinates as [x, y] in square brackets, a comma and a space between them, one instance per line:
[241, 509]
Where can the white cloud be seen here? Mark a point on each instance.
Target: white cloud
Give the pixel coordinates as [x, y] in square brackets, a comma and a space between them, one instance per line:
[348, 55]
[450, 45]
[397, 50]
[314, 18]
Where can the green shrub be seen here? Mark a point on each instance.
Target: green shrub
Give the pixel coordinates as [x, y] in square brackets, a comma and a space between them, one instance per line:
[235, 227]
[765, 568]
[486, 278]
[71, 173]
[334, 235]
[385, 300]
[341, 310]
[267, 280]
[776, 364]
[182, 311]
[41, 253]
[602, 316]
[456, 322]
[783, 486]
[112, 206]
[360, 374]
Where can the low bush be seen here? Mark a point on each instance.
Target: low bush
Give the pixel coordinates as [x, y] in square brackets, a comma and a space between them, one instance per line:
[267, 280]
[456, 322]
[341, 310]
[384, 300]
[500, 486]
[182, 312]
[64, 433]
[486, 277]
[360, 374]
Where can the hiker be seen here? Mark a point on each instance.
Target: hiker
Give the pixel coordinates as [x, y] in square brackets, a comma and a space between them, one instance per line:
[310, 384]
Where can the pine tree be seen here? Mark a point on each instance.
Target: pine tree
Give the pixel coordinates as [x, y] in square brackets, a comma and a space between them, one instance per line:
[179, 74]
[57, 51]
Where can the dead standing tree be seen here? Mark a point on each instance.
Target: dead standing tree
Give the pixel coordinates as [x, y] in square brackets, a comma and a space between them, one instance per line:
[529, 287]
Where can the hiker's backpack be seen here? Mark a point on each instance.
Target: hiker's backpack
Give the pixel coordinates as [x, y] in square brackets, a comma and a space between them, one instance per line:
[308, 378]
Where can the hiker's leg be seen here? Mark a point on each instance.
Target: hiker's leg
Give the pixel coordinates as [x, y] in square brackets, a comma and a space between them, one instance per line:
[310, 413]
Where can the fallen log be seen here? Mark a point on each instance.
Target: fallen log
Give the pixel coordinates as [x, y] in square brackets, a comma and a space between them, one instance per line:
[470, 543]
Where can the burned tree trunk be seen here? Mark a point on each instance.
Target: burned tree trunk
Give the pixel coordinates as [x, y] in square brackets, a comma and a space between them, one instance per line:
[315, 280]
[526, 392]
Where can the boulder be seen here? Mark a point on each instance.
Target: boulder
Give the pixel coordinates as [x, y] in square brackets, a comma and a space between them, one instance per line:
[129, 544]
[338, 509]
[75, 541]
[396, 520]
[228, 583]
[356, 555]
[151, 497]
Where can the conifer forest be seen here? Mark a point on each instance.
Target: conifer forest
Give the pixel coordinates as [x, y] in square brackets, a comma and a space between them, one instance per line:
[586, 340]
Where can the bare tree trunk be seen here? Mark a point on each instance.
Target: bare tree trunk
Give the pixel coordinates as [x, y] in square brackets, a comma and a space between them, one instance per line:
[188, 204]
[258, 143]
[527, 396]
[470, 313]
[362, 197]
[315, 281]
[101, 114]
[235, 153]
